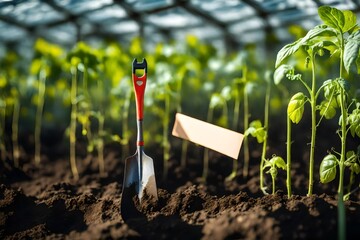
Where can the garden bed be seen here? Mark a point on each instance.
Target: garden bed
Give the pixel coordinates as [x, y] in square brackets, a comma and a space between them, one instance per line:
[47, 203]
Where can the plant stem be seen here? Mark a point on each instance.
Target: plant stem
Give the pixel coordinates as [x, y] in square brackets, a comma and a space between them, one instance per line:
[313, 126]
[246, 126]
[235, 126]
[266, 127]
[15, 132]
[73, 124]
[343, 141]
[341, 218]
[206, 150]
[166, 143]
[85, 89]
[343, 109]
[39, 113]
[288, 157]
[100, 145]
[273, 184]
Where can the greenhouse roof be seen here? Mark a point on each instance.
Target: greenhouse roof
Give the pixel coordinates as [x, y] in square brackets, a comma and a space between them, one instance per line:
[232, 21]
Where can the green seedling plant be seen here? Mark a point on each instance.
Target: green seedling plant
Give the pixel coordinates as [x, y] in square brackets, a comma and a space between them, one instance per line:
[346, 42]
[125, 103]
[16, 88]
[239, 92]
[273, 165]
[162, 91]
[47, 63]
[39, 113]
[260, 132]
[88, 65]
[314, 45]
[74, 61]
[217, 100]
[329, 36]
[121, 91]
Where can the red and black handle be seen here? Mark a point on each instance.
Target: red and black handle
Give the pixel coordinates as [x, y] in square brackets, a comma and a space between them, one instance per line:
[139, 87]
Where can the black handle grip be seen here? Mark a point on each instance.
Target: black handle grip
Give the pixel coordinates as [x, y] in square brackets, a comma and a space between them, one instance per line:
[139, 65]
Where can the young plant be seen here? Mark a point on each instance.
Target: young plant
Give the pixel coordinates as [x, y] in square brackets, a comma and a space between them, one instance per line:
[342, 23]
[16, 88]
[294, 112]
[39, 113]
[121, 91]
[313, 44]
[73, 116]
[46, 64]
[273, 164]
[216, 101]
[15, 129]
[261, 132]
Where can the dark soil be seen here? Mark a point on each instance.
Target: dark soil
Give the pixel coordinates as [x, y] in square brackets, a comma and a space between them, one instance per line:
[47, 203]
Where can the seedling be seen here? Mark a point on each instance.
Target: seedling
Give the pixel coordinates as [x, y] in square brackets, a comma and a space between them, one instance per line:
[261, 132]
[46, 64]
[216, 100]
[273, 164]
[73, 116]
[162, 91]
[13, 81]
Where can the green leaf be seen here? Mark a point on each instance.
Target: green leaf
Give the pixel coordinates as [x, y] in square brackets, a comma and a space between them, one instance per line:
[328, 108]
[256, 130]
[355, 168]
[350, 20]
[351, 51]
[332, 17]
[278, 162]
[291, 48]
[350, 154]
[281, 72]
[354, 122]
[329, 86]
[296, 107]
[287, 51]
[328, 168]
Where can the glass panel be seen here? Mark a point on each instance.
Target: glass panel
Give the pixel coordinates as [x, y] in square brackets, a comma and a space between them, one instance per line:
[253, 23]
[224, 11]
[10, 33]
[32, 13]
[204, 32]
[108, 13]
[143, 5]
[65, 33]
[232, 14]
[176, 17]
[81, 6]
[127, 26]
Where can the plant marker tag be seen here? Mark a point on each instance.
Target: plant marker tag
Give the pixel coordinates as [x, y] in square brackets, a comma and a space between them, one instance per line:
[208, 135]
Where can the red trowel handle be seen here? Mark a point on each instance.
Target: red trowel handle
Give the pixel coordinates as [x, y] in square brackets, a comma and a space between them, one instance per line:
[139, 86]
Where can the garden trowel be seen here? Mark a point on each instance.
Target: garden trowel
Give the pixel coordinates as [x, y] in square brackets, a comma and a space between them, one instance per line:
[139, 175]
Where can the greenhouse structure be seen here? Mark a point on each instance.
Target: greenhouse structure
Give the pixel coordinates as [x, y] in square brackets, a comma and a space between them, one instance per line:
[179, 119]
